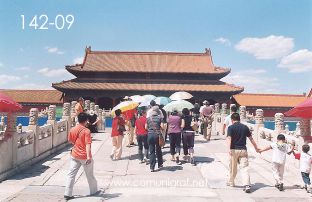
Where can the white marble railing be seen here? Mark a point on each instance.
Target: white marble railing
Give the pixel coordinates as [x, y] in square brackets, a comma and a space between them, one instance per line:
[19, 149]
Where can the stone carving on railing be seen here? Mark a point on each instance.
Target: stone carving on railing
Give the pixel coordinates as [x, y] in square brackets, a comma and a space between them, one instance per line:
[25, 138]
[33, 116]
[2, 126]
[87, 105]
[19, 128]
[305, 127]
[66, 109]
[279, 122]
[223, 108]
[61, 126]
[45, 131]
[96, 109]
[73, 111]
[217, 108]
[92, 106]
[52, 112]
[259, 119]
[242, 113]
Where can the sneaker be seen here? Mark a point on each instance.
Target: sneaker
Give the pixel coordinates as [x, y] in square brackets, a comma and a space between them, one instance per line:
[142, 161]
[160, 166]
[178, 161]
[277, 185]
[67, 198]
[152, 170]
[132, 144]
[281, 187]
[247, 189]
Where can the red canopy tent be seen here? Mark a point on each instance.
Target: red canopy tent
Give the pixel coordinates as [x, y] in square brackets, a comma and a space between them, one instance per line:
[8, 105]
[303, 110]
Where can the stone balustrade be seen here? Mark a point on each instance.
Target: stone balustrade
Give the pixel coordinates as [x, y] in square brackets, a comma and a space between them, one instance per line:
[19, 149]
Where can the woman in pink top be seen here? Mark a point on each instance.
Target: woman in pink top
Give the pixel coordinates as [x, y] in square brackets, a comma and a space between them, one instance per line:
[174, 131]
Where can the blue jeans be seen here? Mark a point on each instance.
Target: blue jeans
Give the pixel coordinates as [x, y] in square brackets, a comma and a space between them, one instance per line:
[154, 150]
[306, 178]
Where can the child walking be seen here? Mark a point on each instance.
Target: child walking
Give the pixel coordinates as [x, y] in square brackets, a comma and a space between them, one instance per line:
[305, 166]
[280, 149]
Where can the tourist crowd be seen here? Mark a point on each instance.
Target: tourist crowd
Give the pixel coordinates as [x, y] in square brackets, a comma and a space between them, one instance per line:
[152, 125]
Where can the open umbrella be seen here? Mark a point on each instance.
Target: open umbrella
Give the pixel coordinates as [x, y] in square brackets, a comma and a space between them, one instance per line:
[181, 96]
[145, 104]
[148, 98]
[137, 98]
[178, 105]
[303, 110]
[125, 106]
[8, 105]
[162, 100]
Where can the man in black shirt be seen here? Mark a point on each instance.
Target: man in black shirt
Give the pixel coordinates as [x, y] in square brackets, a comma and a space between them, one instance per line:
[237, 135]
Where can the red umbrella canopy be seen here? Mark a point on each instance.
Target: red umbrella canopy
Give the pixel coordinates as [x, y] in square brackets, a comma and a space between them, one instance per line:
[303, 110]
[8, 105]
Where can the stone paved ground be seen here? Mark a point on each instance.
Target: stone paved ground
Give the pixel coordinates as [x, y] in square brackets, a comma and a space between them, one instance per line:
[126, 179]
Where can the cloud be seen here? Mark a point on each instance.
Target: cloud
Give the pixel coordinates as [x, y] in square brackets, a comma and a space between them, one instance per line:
[22, 68]
[270, 47]
[254, 80]
[6, 79]
[224, 41]
[54, 50]
[78, 60]
[53, 72]
[299, 61]
[1, 64]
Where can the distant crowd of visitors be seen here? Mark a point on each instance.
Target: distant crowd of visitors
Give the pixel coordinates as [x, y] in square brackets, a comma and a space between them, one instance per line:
[152, 125]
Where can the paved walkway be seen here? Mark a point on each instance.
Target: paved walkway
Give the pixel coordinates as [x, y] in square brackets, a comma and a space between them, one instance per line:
[126, 179]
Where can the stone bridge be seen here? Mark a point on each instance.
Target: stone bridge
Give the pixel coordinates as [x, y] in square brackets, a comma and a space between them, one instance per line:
[34, 164]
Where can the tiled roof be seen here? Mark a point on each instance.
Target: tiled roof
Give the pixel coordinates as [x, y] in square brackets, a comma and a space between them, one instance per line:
[34, 96]
[87, 85]
[113, 61]
[268, 100]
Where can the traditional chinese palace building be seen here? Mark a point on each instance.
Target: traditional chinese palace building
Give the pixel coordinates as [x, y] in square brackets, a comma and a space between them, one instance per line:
[108, 76]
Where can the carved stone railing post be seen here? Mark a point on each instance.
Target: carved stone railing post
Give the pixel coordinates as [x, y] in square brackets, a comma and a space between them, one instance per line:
[279, 122]
[52, 121]
[33, 125]
[100, 123]
[216, 124]
[87, 105]
[66, 115]
[12, 135]
[92, 106]
[242, 113]
[2, 123]
[259, 121]
[96, 109]
[73, 113]
[223, 109]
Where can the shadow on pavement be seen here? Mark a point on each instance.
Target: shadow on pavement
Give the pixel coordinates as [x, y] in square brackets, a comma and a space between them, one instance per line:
[171, 168]
[258, 185]
[203, 159]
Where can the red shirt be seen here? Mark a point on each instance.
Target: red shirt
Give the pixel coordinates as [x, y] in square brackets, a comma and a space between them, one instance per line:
[140, 126]
[129, 114]
[117, 120]
[80, 136]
